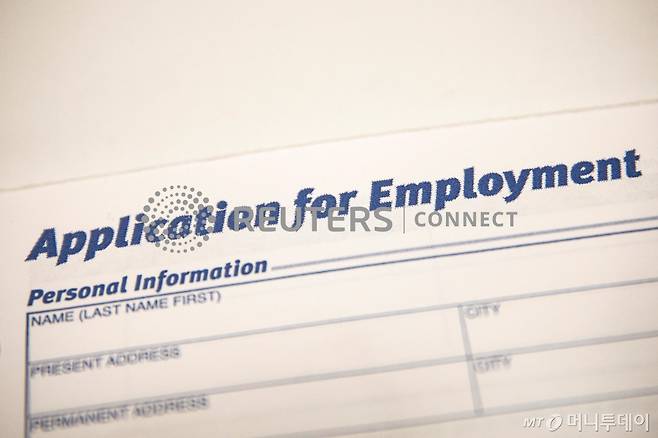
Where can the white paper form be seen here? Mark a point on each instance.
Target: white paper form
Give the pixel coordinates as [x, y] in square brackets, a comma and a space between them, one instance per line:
[415, 331]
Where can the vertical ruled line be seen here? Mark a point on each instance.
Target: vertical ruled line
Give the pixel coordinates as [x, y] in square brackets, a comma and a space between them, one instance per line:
[26, 414]
[472, 378]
